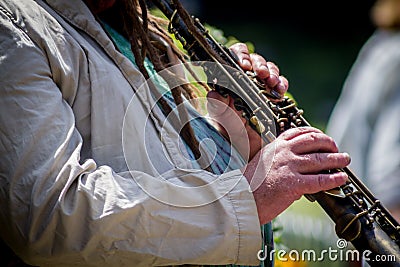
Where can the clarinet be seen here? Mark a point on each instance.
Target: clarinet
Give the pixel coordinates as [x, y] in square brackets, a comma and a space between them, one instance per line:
[359, 217]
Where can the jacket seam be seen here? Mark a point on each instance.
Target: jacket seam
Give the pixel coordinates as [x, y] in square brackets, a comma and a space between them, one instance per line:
[238, 224]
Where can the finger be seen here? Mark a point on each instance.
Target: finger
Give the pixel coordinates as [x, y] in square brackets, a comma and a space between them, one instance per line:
[273, 79]
[294, 132]
[318, 162]
[313, 183]
[260, 67]
[313, 142]
[267, 72]
[282, 86]
[242, 52]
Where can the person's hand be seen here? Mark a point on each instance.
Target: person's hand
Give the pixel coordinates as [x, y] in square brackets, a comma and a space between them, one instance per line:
[229, 120]
[266, 72]
[294, 164]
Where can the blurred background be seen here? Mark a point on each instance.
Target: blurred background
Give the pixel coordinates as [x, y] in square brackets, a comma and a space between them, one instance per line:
[314, 43]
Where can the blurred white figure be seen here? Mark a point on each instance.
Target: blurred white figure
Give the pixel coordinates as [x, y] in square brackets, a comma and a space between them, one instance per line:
[365, 120]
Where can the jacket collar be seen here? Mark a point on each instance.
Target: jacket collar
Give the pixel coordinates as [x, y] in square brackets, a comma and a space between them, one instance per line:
[77, 13]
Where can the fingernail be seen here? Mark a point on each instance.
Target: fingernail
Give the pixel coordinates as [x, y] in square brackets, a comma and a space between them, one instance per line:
[263, 67]
[262, 72]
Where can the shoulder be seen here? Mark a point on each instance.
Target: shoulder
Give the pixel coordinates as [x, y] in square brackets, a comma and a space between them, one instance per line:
[382, 44]
[25, 19]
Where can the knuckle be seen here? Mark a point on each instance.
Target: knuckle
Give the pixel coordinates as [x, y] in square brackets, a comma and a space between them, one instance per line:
[239, 47]
[321, 181]
[313, 137]
[299, 188]
[319, 158]
[273, 66]
[256, 57]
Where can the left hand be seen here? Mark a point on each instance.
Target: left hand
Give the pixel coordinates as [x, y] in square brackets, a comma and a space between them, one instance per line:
[267, 72]
[229, 120]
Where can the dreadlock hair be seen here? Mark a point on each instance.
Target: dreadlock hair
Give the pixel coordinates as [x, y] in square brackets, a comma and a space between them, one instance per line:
[132, 19]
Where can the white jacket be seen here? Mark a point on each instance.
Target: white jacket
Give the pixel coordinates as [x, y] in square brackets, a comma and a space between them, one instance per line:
[67, 195]
[365, 121]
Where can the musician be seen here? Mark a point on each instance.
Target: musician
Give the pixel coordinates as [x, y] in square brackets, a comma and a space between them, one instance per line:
[93, 174]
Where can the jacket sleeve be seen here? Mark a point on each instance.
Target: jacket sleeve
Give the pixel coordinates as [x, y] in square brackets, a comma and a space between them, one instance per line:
[60, 211]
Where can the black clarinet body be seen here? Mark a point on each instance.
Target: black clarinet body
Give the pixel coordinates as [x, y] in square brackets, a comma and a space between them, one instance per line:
[359, 217]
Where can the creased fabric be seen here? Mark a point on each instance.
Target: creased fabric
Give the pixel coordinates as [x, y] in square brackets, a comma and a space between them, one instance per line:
[69, 195]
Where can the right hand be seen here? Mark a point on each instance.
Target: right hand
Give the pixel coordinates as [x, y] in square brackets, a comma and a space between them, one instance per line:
[291, 166]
